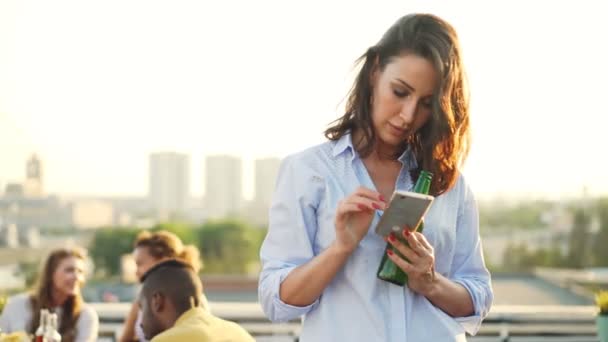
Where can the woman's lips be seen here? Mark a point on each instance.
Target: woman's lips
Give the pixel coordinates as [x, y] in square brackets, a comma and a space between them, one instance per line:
[395, 130]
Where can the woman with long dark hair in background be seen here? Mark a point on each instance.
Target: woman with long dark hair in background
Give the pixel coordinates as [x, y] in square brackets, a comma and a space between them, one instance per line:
[58, 289]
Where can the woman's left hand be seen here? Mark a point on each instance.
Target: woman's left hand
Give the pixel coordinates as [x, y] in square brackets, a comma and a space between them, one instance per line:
[420, 268]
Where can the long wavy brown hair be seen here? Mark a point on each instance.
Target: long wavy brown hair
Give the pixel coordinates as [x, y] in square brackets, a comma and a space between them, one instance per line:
[442, 144]
[41, 296]
[163, 244]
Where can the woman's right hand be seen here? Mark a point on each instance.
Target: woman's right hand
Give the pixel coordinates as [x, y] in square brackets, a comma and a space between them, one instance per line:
[354, 215]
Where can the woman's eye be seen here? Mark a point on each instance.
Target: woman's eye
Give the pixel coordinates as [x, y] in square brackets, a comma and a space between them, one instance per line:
[400, 93]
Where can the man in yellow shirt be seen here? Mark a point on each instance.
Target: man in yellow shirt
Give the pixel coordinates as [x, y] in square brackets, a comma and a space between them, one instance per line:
[171, 311]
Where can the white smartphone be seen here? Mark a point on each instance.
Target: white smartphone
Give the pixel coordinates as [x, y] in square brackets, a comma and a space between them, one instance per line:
[405, 209]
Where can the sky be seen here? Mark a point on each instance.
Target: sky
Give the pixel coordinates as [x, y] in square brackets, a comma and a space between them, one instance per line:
[93, 87]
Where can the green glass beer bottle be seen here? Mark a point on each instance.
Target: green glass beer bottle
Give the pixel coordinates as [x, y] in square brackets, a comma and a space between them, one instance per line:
[387, 270]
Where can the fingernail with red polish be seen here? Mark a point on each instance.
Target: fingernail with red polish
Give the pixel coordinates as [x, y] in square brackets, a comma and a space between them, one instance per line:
[382, 198]
[361, 206]
[389, 252]
[375, 205]
[391, 237]
[406, 232]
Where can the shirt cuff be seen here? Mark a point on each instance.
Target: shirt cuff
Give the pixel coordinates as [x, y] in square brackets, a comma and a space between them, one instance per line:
[282, 311]
[471, 324]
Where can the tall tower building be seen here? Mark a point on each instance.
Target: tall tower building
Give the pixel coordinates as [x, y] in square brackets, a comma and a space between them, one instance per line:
[33, 186]
[169, 182]
[223, 185]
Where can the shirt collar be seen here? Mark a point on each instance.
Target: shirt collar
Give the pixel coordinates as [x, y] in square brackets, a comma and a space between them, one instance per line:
[341, 145]
[408, 159]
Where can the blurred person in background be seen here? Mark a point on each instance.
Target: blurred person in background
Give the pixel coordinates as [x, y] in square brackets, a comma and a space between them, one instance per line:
[58, 289]
[170, 301]
[151, 248]
[408, 111]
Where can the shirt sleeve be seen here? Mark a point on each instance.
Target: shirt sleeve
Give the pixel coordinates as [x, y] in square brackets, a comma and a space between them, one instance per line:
[5, 323]
[16, 314]
[291, 232]
[468, 266]
[87, 326]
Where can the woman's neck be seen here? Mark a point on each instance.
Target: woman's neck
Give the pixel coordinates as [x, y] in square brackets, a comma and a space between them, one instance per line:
[381, 152]
[59, 298]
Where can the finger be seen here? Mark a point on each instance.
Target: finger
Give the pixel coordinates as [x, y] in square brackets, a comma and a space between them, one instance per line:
[400, 262]
[413, 242]
[368, 193]
[423, 241]
[346, 208]
[358, 200]
[405, 250]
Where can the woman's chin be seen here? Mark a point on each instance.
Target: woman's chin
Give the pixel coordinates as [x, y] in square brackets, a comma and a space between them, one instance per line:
[71, 291]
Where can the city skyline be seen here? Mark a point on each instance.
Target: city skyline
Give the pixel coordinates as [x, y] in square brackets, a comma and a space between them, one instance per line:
[193, 191]
[93, 100]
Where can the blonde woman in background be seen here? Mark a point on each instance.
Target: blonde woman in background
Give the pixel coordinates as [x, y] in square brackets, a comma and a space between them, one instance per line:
[150, 249]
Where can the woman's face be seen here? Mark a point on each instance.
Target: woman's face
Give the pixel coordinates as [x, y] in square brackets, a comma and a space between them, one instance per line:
[143, 261]
[402, 95]
[69, 276]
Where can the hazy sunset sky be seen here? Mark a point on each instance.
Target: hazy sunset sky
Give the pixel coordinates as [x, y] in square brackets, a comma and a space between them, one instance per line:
[93, 87]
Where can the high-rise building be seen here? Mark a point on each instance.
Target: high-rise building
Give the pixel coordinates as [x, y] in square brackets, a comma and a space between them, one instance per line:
[223, 185]
[266, 171]
[169, 182]
[33, 186]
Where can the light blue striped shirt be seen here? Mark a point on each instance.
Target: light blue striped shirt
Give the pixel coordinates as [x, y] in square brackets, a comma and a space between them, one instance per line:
[356, 306]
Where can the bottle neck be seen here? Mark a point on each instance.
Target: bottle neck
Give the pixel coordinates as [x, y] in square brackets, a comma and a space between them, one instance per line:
[423, 184]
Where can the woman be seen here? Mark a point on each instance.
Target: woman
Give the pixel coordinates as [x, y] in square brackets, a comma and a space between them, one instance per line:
[58, 289]
[151, 249]
[407, 111]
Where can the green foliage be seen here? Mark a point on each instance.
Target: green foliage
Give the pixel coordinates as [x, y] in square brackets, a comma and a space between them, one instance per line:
[524, 215]
[519, 258]
[601, 300]
[107, 247]
[600, 242]
[578, 249]
[184, 231]
[228, 246]
[30, 271]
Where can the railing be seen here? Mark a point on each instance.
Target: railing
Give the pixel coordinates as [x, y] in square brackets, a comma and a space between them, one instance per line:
[504, 323]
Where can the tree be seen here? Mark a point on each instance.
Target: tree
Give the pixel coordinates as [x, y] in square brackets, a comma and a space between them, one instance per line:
[524, 215]
[30, 271]
[516, 258]
[600, 243]
[579, 238]
[185, 232]
[108, 246]
[228, 246]
[225, 246]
